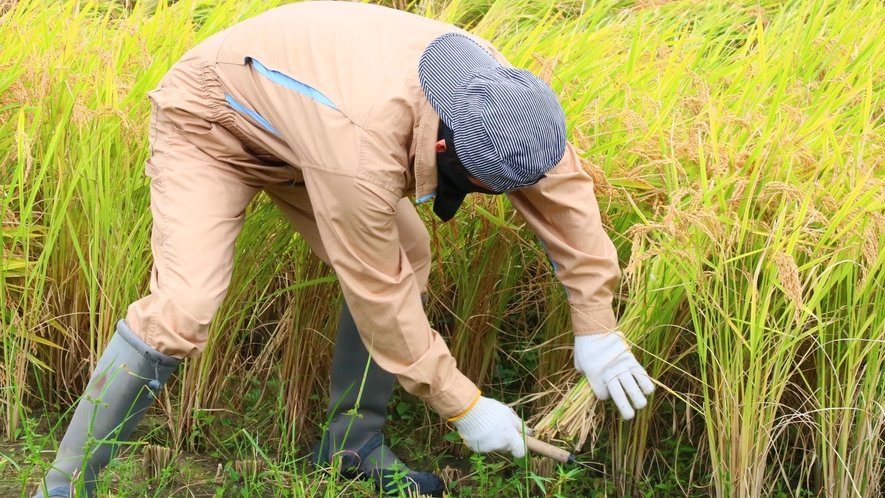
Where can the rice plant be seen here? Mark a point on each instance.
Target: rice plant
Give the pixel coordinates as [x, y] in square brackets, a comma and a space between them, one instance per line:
[737, 151]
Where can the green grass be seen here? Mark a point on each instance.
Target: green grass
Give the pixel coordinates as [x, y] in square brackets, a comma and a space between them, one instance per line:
[737, 149]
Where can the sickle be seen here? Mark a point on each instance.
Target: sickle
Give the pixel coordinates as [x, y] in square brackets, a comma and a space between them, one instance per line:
[560, 455]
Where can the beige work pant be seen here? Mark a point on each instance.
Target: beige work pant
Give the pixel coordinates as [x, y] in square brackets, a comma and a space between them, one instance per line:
[202, 179]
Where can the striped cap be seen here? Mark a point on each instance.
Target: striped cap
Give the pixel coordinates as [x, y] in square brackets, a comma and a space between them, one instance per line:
[508, 126]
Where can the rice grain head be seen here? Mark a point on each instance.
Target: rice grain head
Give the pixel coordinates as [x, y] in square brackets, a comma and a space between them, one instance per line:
[788, 276]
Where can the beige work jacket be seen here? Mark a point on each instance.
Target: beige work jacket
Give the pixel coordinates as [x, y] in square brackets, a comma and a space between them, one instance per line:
[331, 90]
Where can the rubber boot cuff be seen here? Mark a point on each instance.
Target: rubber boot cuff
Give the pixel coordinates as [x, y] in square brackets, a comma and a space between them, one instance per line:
[142, 349]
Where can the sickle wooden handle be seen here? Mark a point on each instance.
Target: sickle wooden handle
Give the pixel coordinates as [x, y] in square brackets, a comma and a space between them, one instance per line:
[548, 450]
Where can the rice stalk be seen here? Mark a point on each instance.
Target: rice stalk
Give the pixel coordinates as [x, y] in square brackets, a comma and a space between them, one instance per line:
[693, 90]
[737, 150]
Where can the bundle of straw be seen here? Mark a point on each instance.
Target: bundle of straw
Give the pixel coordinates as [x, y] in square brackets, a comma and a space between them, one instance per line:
[573, 417]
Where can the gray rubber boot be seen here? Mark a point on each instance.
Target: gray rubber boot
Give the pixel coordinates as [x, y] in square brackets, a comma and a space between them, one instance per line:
[359, 383]
[126, 379]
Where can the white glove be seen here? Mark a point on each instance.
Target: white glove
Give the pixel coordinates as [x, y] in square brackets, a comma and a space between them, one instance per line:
[492, 426]
[613, 372]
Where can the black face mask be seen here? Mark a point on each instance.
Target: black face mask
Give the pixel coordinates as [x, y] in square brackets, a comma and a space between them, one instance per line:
[449, 165]
[453, 179]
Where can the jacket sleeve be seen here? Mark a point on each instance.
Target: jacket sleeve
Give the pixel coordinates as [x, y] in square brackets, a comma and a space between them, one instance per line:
[562, 210]
[356, 222]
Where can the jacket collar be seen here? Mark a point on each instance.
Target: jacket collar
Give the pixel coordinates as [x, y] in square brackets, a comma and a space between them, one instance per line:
[425, 154]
